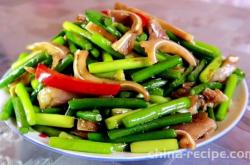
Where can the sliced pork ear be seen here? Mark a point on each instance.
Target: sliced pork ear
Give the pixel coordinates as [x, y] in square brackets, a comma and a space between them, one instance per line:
[155, 30]
[195, 104]
[199, 127]
[152, 46]
[81, 18]
[214, 97]
[49, 97]
[85, 125]
[184, 90]
[126, 43]
[177, 31]
[81, 134]
[58, 52]
[93, 28]
[227, 68]
[185, 140]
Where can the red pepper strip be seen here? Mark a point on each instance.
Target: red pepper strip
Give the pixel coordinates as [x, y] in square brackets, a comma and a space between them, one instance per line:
[144, 19]
[54, 79]
[105, 12]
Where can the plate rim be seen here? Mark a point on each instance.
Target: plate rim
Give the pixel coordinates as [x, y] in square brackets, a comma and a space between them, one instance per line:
[140, 157]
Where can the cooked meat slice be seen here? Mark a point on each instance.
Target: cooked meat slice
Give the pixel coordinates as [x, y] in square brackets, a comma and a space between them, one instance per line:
[185, 139]
[200, 126]
[227, 68]
[214, 97]
[82, 134]
[85, 125]
[155, 30]
[49, 97]
[183, 91]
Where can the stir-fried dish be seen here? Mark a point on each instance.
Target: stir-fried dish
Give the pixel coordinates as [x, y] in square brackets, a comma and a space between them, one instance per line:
[120, 80]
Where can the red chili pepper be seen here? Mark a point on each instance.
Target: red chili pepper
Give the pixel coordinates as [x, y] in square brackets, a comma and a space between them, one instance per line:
[105, 12]
[144, 19]
[54, 79]
[43, 135]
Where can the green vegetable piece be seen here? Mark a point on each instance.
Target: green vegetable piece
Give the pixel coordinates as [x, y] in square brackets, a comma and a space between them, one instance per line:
[37, 109]
[213, 48]
[171, 74]
[155, 124]
[158, 99]
[182, 79]
[98, 137]
[125, 94]
[230, 88]
[201, 87]
[138, 48]
[92, 103]
[52, 110]
[105, 22]
[67, 136]
[50, 131]
[142, 37]
[88, 115]
[22, 56]
[35, 84]
[70, 112]
[26, 102]
[95, 53]
[155, 69]
[115, 121]
[211, 113]
[16, 73]
[94, 38]
[156, 91]
[67, 61]
[72, 47]
[155, 83]
[156, 111]
[154, 146]
[193, 76]
[106, 57]
[199, 50]
[54, 120]
[61, 33]
[21, 120]
[119, 111]
[78, 40]
[125, 64]
[59, 40]
[7, 110]
[123, 29]
[105, 45]
[207, 74]
[85, 145]
[23, 60]
[154, 135]
[240, 73]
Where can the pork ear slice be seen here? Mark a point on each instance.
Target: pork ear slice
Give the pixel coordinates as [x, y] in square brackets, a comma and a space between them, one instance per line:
[177, 31]
[50, 97]
[156, 31]
[85, 125]
[125, 44]
[200, 126]
[185, 140]
[228, 67]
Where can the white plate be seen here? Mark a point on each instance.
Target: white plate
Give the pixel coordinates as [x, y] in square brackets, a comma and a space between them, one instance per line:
[237, 110]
